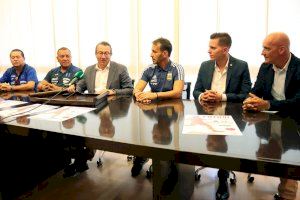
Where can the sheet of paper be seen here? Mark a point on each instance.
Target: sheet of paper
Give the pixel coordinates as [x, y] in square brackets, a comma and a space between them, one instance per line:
[210, 125]
[8, 115]
[63, 113]
[10, 103]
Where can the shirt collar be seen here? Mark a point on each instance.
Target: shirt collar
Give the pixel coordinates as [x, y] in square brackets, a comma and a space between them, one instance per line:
[106, 68]
[226, 66]
[167, 67]
[68, 69]
[276, 69]
[15, 71]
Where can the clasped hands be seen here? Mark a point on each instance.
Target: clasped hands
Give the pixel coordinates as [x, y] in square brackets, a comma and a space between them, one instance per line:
[145, 97]
[211, 96]
[254, 103]
[50, 87]
[5, 87]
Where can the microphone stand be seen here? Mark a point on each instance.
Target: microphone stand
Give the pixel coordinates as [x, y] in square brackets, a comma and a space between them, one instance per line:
[70, 95]
[59, 92]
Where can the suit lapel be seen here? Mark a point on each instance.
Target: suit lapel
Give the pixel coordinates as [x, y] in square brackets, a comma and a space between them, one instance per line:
[289, 73]
[111, 74]
[92, 78]
[270, 79]
[229, 71]
[210, 74]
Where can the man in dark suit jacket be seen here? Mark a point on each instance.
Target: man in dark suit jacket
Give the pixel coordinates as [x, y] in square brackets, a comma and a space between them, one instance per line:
[106, 75]
[223, 78]
[277, 88]
[270, 99]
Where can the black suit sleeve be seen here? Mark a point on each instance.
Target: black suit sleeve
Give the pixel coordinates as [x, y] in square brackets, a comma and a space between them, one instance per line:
[199, 88]
[126, 86]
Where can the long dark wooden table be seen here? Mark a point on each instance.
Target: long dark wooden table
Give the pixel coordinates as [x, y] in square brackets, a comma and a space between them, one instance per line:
[269, 145]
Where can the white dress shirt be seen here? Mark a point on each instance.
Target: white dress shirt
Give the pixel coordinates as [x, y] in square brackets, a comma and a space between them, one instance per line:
[218, 82]
[101, 78]
[279, 81]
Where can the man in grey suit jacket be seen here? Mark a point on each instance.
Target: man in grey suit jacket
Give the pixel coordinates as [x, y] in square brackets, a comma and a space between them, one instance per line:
[223, 78]
[106, 75]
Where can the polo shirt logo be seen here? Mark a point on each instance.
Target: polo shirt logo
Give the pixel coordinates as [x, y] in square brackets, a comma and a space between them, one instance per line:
[66, 81]
[153, 81]
[169, 76]
[54, 80]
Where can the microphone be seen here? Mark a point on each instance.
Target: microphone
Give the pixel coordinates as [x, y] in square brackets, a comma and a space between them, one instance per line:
[77, 76]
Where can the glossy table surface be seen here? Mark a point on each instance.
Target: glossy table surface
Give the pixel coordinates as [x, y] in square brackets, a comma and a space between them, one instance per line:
[269, 144]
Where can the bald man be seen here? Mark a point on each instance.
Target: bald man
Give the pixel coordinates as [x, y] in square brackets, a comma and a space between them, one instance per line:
[278, 79]
[277, 88]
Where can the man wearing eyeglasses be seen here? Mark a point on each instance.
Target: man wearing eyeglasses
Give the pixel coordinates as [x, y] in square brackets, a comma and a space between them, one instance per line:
[20, 76]
[105, 76]
[60, 76]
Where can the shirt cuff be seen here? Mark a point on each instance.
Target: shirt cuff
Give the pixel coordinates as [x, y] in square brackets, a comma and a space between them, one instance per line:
[199, 98]
[224, 97]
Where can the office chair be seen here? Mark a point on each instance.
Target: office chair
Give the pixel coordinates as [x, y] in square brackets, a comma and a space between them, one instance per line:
[250, 178]
[99, 161]
[186, 94]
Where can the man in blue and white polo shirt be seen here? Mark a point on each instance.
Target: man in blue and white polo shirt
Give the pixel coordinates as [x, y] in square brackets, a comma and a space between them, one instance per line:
[165, 78]
[20, 76]
[60, 76]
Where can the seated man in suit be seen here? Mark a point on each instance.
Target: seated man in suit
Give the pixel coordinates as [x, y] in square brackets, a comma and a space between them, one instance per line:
[20, 76]
[105, 76]
[166, 80]
[277, 88]
[60, 76]
[223, 78]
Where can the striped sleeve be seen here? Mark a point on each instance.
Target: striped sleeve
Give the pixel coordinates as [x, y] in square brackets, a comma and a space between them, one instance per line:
[180, 71]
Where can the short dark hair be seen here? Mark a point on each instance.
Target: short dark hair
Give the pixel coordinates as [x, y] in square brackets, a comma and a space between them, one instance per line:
[104, 43]
[63, 48]
[224, 38]
[19, 50]
[165, 45]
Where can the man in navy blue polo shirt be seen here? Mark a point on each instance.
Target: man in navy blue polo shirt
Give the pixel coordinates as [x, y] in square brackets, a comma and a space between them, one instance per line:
[165, 78]
[60, 76]
[20, 76]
